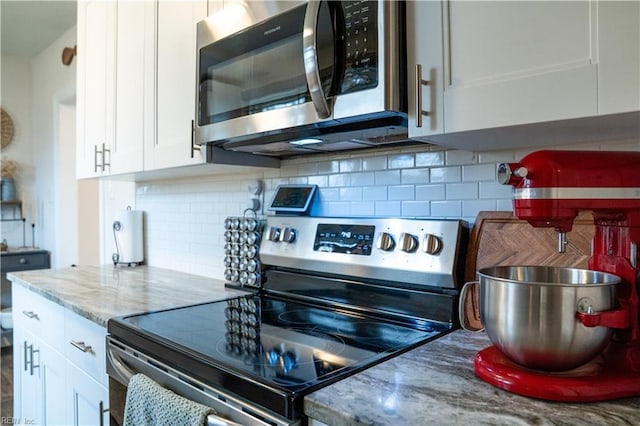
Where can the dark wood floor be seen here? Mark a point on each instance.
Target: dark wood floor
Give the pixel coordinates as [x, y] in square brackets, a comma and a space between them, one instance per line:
[6, 383]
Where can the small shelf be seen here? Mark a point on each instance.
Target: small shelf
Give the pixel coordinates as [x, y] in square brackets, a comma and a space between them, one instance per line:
[14, 205]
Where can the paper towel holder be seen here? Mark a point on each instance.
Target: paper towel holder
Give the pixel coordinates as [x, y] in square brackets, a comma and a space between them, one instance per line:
[117, 256]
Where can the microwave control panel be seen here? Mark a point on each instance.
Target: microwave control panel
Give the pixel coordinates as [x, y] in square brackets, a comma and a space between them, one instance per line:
[361, 45]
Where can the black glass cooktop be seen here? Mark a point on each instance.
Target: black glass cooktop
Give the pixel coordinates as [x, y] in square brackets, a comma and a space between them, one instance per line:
[271, 343]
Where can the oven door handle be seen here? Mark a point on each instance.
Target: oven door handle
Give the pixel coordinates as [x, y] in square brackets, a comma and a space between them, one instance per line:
[123, 374]
[310, 56]
[120, 368]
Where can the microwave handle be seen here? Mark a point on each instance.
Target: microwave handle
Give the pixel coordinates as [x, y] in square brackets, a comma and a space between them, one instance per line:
[310, 56]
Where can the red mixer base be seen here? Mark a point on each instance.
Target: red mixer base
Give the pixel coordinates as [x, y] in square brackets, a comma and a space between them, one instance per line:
[592, 382]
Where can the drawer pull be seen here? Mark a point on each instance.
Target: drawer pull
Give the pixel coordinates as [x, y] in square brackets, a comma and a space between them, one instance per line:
[23, 261]
[82, 346]
[102, 412]
[31, 315]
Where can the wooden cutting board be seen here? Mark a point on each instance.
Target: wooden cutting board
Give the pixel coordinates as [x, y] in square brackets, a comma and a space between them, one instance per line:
[499, 238]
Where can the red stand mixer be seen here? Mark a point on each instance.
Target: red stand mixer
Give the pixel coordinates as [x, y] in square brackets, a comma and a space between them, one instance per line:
[550, 188]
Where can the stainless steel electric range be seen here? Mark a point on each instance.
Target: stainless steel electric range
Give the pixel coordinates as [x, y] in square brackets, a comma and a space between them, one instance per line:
[339, 295]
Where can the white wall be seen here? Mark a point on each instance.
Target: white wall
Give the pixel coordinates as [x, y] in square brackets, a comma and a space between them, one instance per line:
[16, 101]
[52, 84]
[184, 218]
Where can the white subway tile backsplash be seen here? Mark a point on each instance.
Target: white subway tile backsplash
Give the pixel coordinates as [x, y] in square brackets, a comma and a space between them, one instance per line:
[374, 193]
[415, 176]
[374, 163]
[479, 172]
[461, 191]
[430, 159]
[401, 192]
[430, 192]
[184, 218]
[415, 208]
[362, 179]
[445, 174]
[458, 158]
[387, 177]
[446, 209]
[401, 161]
[351, 194]
[351, 165]
[388, 208]
[341, 179]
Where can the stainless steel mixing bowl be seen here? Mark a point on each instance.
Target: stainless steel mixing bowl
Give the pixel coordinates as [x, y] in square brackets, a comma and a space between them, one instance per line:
[529, 313]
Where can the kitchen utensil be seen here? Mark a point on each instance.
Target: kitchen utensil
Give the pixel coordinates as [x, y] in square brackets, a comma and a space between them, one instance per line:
[550, 188]
[529, 313]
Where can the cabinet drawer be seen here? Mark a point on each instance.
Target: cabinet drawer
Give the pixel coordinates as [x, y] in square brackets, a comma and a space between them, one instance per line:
[24, 261]
[39, 316]
[84, 345]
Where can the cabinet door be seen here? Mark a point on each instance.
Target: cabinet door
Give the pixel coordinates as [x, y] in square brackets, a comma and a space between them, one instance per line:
[39, 378]
[130, 74]
[619, 56]
[27, 403]
[518, 62]
[89, 400]
[176, 84]
[95, 86]
[424, 50]
[52, 376]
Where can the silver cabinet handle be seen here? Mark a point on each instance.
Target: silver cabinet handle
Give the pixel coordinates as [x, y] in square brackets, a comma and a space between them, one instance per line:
[28, 358]
[95, 158]
[82, 346]
[194, 147]
[23, 261]
[31, 315]
[310, 58]
[104, 156]
[419, 83]
[101, 411]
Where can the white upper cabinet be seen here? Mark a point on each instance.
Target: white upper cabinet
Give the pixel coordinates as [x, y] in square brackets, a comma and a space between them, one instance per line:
[514, 63]
[130, 71]
[424, 35]
[136, 85]
[95, 95]
[176, 85]
[519, 62]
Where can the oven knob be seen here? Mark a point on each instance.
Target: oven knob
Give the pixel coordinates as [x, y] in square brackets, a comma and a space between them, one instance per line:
[408, 242]
[273, 234]
[431, 244]
[288, 235]
[386, 242]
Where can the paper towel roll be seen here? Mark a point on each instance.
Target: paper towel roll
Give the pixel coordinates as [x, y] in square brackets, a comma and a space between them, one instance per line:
[128, 234]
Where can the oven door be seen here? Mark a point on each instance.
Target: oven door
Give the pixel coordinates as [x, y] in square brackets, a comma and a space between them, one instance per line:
[124, 361]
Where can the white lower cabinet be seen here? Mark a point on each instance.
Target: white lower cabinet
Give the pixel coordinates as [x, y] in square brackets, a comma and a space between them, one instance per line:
[89, 400]
[59, 364]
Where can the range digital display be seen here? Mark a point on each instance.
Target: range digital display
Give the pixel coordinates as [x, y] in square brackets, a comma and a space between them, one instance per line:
[347, 239]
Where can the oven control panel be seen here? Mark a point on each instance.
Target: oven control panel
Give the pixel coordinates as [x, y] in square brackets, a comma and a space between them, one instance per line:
[416, 251]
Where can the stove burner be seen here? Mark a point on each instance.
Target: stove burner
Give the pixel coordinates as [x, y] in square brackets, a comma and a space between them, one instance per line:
[306, 316]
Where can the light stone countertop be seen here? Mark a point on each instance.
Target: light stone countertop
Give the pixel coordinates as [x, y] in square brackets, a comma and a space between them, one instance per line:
[102, 292]
[432, 384]
[435, 384]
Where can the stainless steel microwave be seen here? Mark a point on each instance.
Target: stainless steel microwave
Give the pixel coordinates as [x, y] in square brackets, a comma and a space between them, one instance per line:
[286, 77]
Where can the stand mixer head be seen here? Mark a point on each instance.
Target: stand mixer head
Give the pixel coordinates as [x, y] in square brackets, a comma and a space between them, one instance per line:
[550, 188]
